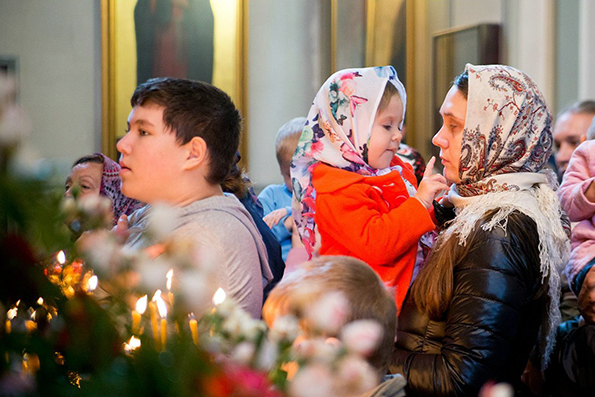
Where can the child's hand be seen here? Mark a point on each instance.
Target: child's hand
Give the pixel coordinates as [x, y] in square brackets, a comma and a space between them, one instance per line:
[274, 217]
[431, 185]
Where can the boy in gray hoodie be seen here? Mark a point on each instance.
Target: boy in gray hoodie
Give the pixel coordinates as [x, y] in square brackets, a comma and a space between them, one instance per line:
[179, 146]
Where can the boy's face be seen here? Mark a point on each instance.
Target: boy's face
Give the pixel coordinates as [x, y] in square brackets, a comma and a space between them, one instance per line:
[286, 174]
[386, 134]
[151, 157]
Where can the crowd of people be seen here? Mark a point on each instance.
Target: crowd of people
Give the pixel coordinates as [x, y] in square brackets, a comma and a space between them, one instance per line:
[476, 274]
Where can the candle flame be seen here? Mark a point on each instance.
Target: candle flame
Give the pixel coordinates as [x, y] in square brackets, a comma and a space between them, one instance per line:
[169, 276]
[161, 307]
[156, 296]
[40, 301]
[141, 304]
[92, 283]
[133, 344]
[12, 313]
[219, 297]
[61, 257]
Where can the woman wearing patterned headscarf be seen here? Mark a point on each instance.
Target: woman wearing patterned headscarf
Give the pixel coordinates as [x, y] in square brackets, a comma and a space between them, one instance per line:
[490, 285]
[97, 174]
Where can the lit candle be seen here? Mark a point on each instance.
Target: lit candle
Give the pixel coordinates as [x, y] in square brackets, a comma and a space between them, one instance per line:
[133, 344]
[219, 297]
[92, 284]
[9, 316]
[141, 307]
[61, 257]
[170, 295]
[153, 312]
[162, 308]
[194, 328]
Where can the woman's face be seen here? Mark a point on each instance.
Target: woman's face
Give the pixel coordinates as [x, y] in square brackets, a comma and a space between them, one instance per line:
[86, 177]
[449, 138]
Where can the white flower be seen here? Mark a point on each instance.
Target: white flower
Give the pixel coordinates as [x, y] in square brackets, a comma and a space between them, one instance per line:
[362, 336]
[498, 390]
[163, 220]
[152, 272]
[243, 353]
[267, 355]
[312, 381]
[100, 249]
[284, 328]
[195, 290]
[234, 322]
[356, 376]
[316, 349]
[329, 313]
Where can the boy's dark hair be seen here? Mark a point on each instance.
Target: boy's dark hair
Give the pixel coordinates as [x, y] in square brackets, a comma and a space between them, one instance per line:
[196, 109]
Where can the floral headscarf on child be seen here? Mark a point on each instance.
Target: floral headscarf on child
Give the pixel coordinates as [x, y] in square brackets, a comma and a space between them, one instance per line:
[337, 133]
[506, 142]
[111, 185]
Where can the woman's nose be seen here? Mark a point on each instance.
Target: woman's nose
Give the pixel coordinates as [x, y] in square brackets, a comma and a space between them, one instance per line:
[439, 140]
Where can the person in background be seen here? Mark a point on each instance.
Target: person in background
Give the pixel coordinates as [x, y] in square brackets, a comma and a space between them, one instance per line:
[238, 184]
[276, 199]
[364, 291]
[570, 130]
[98, 175]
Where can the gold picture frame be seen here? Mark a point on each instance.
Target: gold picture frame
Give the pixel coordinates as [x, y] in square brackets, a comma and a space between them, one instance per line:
[118, 71]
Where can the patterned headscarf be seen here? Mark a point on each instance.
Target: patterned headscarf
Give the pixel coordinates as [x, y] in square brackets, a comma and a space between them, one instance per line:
[337, 133]
[506, 141]
[111, 185]
[507, 129]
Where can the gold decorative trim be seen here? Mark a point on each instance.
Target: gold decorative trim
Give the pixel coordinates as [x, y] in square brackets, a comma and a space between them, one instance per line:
[370, 33]
[108, 137]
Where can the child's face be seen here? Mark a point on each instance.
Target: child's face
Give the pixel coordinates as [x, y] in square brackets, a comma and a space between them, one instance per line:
[285, 172]
[151, 157]
[386, 134]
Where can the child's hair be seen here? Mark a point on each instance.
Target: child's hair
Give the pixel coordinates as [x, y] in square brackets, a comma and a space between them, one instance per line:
[196, 109]
[287, 139]
[363, 288]
[389, 91]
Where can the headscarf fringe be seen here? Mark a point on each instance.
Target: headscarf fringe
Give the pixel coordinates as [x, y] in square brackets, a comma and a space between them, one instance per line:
[539, 203]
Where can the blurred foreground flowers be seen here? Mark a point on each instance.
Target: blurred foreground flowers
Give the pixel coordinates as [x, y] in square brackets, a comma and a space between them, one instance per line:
[89, 317]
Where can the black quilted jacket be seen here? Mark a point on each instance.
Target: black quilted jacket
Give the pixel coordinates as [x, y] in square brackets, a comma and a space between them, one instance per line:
[491, 324]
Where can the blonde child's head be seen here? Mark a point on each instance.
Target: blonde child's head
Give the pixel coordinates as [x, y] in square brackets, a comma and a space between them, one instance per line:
[363, 288]
[285, 144]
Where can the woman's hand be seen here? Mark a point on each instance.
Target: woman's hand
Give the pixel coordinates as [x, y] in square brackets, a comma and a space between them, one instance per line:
[431, 185]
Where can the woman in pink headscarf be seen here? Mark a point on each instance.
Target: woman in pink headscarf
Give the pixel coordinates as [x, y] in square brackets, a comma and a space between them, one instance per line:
[98, 175]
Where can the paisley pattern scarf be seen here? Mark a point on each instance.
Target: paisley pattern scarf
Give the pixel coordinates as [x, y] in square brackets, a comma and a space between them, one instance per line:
[506, 142]
[337, 133]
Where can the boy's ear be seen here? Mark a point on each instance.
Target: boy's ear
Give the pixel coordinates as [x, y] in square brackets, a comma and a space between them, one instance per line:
[197, 153]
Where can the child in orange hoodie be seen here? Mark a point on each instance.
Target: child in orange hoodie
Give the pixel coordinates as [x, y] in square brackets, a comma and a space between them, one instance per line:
[350, 188]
